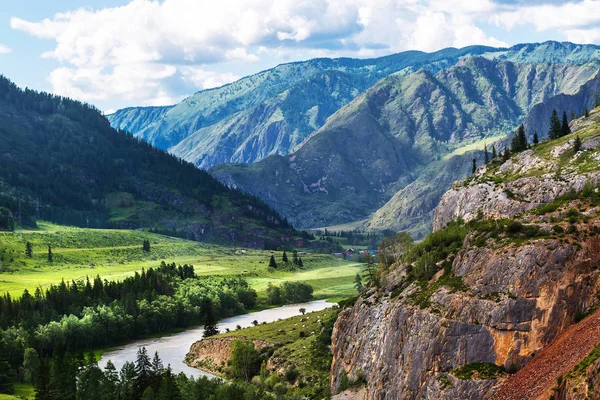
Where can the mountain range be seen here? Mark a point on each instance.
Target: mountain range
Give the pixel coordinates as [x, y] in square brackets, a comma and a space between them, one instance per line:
[333, 140]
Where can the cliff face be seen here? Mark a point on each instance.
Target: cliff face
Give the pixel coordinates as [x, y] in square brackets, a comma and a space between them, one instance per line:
[510, 288]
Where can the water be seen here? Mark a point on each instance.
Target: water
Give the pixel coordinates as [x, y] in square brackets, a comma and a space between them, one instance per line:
[173, 348]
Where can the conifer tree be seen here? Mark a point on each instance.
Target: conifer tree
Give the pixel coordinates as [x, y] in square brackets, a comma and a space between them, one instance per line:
[519, 141]
[565, 129]
[506, 155]
[28, 250]
[586, 113]
[272, 262]
[6, 372]
[555, 126]
[597, 101]
[536, 140]
[358, 283]
[577, 144]
[50, 254]
[210, 322]
[474, 168]
[300, 263]
[486, 155]
[494, 155]
[284, 258]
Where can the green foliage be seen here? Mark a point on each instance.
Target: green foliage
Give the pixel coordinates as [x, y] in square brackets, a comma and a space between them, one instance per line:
[289, 293]
[555, 126]
[577, 144]
[478, 371]
[7, 222]
[519, 141]
[565, 129]
[244, 361]
[272, 262]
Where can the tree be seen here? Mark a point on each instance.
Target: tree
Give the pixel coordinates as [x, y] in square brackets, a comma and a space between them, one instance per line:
[519, 141]
[285, 257]
[210, 322]
[597, 101]
[586, 113]
[358, 283]
[577, 144]
[486, 155]
[565, 129]
[244, 360]
[49, 254]
[474, 168]
[42, 388]
[300, 263]
[28, 250]
[555, 126]
[506, 155]
[272, 262]
[536, 140]
[274, 295]
[31, 365]
[494, 155]
[6, 372]
[146, 246]
[295, 257]
[7, 222]
[302, 310]
[148, 394]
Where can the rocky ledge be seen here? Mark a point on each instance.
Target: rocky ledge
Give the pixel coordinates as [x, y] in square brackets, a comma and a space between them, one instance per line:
[212, 354]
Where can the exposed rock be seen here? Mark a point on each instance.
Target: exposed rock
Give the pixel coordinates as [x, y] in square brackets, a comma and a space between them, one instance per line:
[211, 354]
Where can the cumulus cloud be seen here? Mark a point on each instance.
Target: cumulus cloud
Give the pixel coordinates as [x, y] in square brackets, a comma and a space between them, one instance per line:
[578, 21]
[156, 52]
[4, 49]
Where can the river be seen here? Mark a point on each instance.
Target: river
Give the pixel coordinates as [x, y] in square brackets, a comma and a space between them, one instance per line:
[173, 348]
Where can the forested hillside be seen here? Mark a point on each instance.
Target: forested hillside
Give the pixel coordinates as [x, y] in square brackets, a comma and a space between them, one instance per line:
[61, 161]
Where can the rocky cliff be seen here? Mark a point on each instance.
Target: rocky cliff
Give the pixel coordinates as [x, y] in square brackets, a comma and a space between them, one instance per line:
[212, 354]
[477, 300]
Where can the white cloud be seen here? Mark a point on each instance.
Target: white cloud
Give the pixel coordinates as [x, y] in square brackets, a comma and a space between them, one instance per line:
[578, 21]
[4, 49]
[152, 51]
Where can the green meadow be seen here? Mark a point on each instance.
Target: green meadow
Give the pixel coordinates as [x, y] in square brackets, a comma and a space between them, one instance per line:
[113, 254]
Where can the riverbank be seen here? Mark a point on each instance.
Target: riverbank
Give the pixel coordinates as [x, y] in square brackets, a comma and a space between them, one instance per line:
[173, 348]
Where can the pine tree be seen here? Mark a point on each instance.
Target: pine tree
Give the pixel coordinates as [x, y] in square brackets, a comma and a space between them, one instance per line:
[565, 129]
[586, 113]
[506, 155]
[474, 168]
[28, 250]
[42, 387]
[358, 283]
[536, 140]
[295, 257]
[146, 246]
[555, 126]
[272, 262]
[6, 372]
[494, 155]
[577, 144]
[486, 155]
[300, 263]
[49, 254]
[519, 141]
[210, 322]
[285, 257]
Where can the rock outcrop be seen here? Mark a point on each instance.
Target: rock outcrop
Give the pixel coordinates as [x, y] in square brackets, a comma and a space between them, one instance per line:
[511, 288]
[212, 354]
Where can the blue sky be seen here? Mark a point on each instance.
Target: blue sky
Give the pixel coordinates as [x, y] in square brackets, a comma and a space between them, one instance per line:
[119, 53]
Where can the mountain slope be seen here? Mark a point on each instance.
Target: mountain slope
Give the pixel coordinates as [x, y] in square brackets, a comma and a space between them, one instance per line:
[274, 109]
[61, 160]
[388, 136]
[485, 294]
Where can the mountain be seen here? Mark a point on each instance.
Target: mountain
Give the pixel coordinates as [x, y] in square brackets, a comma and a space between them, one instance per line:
[273, 111]
[270, 112]
[390, 135]
[61, 161]
[500, 301]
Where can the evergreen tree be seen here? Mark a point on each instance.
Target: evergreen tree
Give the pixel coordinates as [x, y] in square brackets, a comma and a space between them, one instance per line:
[168, 387]
[300, 263]
[474, 168]
[536, 140]
[28, 250]
[148, 394]
[494, 155]
[586, 113]
[519, 141]
[31, 366]
[295, 257]
[577, 144]
[210, 322]
[6, 372]
[285, 257]
[157, 365]
[272, 262]
[358, 283]
[49, 254]
[42, 388]
[555, 126]
[506, 155]
[565, 129]
[146, 246]
[597, 101]
[486, 155]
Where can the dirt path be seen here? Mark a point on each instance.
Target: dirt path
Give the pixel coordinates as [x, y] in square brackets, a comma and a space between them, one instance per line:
[537, 378]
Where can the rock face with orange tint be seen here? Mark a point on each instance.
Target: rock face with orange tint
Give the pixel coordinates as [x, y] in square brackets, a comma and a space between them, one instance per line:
[502, 298]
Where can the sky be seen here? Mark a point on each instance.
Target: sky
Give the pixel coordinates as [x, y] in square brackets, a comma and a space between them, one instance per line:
[122, 53]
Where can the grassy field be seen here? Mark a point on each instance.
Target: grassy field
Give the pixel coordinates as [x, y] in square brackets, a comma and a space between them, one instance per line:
[477, 145]
[114, 254]
[22, 391]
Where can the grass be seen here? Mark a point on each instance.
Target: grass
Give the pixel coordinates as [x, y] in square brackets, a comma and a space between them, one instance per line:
[478, 371]
[115, 254]
[22, 391]
[478, 145]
